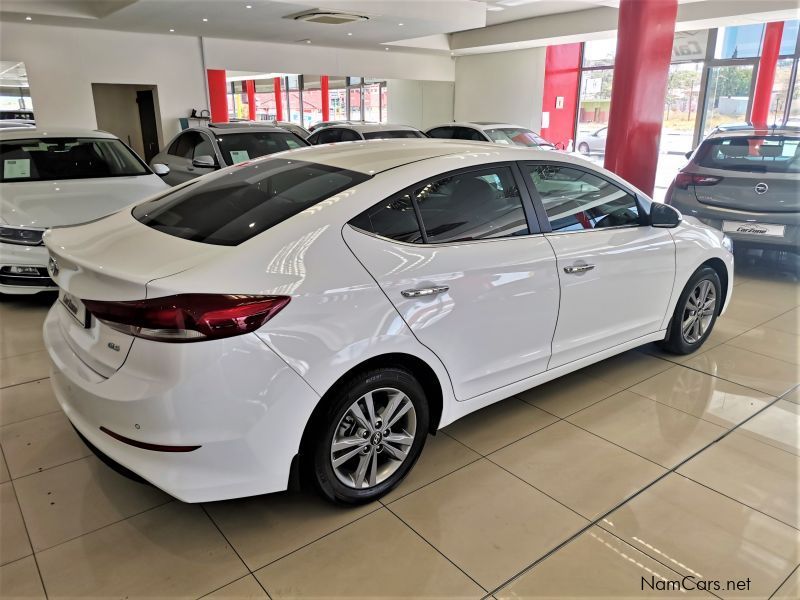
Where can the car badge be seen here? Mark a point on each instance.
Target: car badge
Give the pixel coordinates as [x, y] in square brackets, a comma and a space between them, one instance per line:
[761, 188]
[52, 266]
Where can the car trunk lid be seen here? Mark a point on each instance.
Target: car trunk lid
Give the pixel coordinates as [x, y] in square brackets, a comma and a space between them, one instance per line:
[751, 192]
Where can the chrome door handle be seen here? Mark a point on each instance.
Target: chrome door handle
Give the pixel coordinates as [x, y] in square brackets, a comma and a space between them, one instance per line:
[430, 291]
[578, 269]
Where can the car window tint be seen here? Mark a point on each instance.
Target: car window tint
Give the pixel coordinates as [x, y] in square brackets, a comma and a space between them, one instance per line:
[184, 145]
[471, 206]
[576, 200]
[239, 147]
[348, 135]
[467, 133]
[442, 133]
[393, 134]
[204, 148]
[393, 218]
[752, 154]
[48, 159]
[243, 202]
[329, 136]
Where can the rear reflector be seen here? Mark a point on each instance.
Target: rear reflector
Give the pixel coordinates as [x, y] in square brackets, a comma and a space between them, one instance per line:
[684, 180]
[188, 317]
[146, 445]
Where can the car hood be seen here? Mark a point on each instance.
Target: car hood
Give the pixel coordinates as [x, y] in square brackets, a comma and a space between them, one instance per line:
[72, 201]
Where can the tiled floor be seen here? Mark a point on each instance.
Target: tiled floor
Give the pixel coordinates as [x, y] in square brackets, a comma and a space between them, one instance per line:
[613, 482]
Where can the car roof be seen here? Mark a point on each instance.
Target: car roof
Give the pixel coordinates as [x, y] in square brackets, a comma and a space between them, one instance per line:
[370, 127]
[27, 133]
[375, 156]
[745, 129]
[238, 127]
[482, 125]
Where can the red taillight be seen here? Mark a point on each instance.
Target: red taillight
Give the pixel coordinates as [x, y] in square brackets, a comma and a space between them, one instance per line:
[188, 317]
[684, 180]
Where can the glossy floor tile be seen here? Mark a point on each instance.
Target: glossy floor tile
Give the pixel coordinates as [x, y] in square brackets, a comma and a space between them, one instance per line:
[597, 564]
[763, 373]
[761, 476]
[75, 498]
[648, 428]
[40, 443]
[790, 590]
[778, 425]
[26, 401]
[699, 532]
[499, 425]
[569, 394]
[770, 342]
[627, 369]
[20, 579]
[709, 398]
[488, 522]
[565, 462]
[263, 529]
[788, 322]
[246, 588]
[174, 550]
[23, 368]
[375, 557]
[14, 542]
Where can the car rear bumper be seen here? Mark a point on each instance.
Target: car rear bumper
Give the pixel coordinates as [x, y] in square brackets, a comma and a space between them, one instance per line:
[239, 407]
[14, 255]
[715, 217]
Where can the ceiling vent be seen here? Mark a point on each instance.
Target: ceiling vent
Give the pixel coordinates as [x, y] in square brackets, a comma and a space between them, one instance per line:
[328, 18]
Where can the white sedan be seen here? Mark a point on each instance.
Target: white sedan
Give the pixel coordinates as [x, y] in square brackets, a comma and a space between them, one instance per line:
[59, 177]
[324, 309]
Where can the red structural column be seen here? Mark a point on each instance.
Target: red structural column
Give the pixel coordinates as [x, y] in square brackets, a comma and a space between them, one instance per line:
[641, 70]
[250, 87]
[560, 97]
[765, 78]
[326, 107]
[276, 87]
[217, 95]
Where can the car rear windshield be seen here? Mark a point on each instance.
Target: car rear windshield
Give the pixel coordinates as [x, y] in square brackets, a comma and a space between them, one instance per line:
[397, 133]
[517, 136]
[753, 154]
[239, 147]
[48, 159]
[229, 209]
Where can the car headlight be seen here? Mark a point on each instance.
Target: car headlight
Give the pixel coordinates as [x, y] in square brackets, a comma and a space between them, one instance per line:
[21, 235]
[727, 243]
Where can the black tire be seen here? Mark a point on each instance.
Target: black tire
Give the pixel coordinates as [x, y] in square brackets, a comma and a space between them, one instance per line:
[583, 148]
[676, 341]
[322, 471]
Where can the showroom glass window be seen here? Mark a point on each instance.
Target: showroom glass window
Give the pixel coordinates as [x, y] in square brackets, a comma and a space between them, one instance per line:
[48, 159]
[576, 200]
[466, 206]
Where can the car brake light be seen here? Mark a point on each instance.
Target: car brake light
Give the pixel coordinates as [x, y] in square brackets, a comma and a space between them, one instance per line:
[684, 180]
[188, 317]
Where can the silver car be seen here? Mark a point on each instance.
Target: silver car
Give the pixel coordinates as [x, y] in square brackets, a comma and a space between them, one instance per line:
[199, 150]
[592, 143]
[746, 182]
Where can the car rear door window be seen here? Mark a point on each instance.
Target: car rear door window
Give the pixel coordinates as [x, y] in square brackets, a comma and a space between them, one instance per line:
[348, 135]
[467, 133]
[393, 218]
[442, 133]
[228, 209]
[328, 136]
[577, 200]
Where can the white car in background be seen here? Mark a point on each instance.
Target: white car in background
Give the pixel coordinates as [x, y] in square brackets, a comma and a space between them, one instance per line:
[53, 178]
[327, 308]
[356, 132]
[487, 131]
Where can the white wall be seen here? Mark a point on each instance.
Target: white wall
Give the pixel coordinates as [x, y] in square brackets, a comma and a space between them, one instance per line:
[421, 104]
[503, 86]
[266, 57]
[63, 62]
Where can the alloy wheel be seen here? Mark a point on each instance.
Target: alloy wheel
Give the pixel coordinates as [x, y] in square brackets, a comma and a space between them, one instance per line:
[373, 438]
[699, 311]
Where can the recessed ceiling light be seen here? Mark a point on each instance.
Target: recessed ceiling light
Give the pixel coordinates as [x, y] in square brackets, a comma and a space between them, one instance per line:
[28, 19]
[249, 6]
[349, 33]
[172, 31]
[400, 24]
[386, 49]
[308, 41]
[205, 20]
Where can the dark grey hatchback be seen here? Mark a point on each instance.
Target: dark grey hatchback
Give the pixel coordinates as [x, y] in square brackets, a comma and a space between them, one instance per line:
[745, 182]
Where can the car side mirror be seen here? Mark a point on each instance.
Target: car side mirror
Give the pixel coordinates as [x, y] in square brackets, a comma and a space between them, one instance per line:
[204, 162]
[664, 216]
[689, 154]
[160, 169]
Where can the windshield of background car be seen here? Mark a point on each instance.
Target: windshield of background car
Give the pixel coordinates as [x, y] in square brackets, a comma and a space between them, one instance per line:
[517, 137]
[48, 159]
[752, 154]
[244, 202]
[399, 133]
[239, 147]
